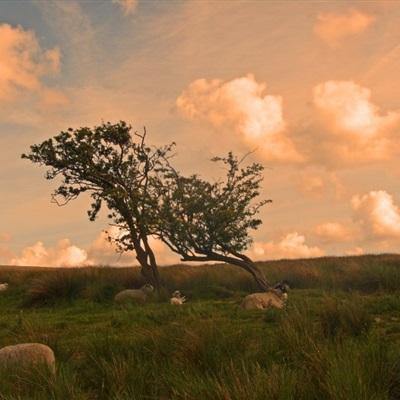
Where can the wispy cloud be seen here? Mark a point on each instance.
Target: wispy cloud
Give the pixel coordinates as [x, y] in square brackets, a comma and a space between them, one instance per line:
[333, 28]
[24, 63]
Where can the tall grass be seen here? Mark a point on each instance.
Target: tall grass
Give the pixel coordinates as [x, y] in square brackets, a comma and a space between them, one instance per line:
[365, 274]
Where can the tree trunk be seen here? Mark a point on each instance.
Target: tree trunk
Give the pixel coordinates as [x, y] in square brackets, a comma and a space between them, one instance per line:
[244, 262]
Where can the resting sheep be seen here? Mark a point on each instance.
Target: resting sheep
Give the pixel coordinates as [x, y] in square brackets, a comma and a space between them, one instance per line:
[275, 297]
[177, 299]
[27, 355]
[3, 287]
[137, 296]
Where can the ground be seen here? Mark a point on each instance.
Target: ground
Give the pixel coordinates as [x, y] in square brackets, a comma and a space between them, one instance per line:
[331, 342]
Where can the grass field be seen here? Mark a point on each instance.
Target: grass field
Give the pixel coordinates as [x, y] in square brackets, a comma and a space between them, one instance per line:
[338, 338]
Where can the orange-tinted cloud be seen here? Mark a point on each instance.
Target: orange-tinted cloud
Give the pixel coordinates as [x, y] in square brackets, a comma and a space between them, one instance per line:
[377, 214]
[102, 252]
[241, 106]
[348, 106]
[292, 245]
[334, 232]
[348, 129]
[23, 63]
[128, 7]
[332, 28]
[64, 254]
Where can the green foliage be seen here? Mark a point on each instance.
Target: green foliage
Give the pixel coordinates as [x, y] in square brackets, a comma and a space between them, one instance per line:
[114, 167]
[202, 217]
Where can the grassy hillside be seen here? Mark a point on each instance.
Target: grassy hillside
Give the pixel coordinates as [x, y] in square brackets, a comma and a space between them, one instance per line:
[339, 337]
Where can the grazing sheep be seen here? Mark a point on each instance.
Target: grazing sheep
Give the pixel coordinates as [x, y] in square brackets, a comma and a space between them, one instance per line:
[138, 296]
[177, 299]
[27, 355]
[275, 297]
[3, 287]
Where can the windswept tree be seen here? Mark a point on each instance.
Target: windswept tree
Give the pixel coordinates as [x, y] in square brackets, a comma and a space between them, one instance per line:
[145, 196]
[115, 167]
[211, 221]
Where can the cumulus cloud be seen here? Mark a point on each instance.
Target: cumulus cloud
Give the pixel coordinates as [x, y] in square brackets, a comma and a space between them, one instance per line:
[332, 28]
[103, 252]
[23, 62]
[333, 232]
[100, 252]
[348, 128]
[377, 214]
[63, 254]
[128, 7]
[292, 245]
[241, 106]
[349, 108]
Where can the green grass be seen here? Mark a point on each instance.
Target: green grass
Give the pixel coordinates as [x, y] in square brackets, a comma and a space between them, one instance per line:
[338, 338]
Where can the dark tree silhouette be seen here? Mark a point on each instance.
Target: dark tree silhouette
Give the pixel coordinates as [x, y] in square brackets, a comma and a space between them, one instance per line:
[197, 219]
[115, 167]
[210, 221]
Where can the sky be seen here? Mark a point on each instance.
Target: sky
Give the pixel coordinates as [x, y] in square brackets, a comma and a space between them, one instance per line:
[311, 88]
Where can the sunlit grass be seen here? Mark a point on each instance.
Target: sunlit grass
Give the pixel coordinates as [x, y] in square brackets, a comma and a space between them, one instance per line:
[331, 342]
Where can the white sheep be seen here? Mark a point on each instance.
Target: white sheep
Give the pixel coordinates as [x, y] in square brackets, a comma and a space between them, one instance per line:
[27, 355]
[3, 287]
[275, 297]
[177, 299]
[138, 296]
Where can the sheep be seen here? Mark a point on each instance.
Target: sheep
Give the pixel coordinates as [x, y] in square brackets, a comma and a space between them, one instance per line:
[138, 296]
[275, 297]
[3, 287]
[177, 299]
[27, 355]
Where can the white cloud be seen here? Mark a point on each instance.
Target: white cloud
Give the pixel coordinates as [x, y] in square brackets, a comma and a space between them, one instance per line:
[349, 108]
[348, 128]
[332, 28]
[241, 106]
[292, 245]
[377, 214]
[64, 254]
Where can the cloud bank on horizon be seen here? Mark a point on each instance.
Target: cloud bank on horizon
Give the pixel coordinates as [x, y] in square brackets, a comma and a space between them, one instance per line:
[313, 97]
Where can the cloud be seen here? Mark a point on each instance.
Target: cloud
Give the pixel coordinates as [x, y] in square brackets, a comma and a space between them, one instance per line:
[311, 184]
[241, 106]
[290, 246]
[102, 252]
[64, 254]
[377, 214]
[349, 108]
[332, 28]
[128, 7]
[348, 129]
[23, 63]
[334, 232]
[5, 251]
